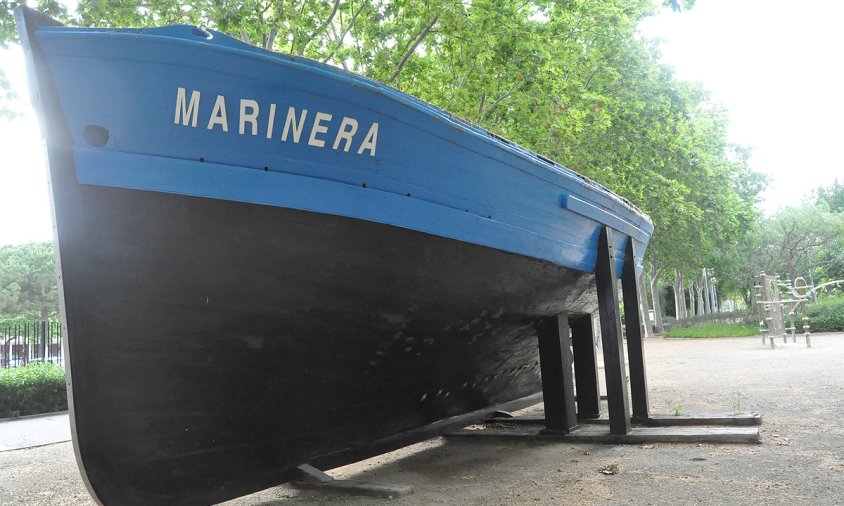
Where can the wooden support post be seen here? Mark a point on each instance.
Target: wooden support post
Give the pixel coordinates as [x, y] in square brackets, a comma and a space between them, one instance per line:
[585, 367]
[557, 387]
[611, 338]
[633, 324]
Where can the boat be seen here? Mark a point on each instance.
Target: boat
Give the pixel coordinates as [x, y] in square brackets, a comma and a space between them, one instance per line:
[265, 261]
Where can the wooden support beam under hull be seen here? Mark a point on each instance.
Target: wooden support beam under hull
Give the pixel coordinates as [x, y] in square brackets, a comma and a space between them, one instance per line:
[618, 404]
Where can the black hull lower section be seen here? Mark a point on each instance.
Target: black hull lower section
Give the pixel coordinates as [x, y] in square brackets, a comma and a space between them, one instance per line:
[214, 345]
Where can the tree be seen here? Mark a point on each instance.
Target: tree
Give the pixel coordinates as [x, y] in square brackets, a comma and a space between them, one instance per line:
[793, 241]
[28, 280]
[832, 196]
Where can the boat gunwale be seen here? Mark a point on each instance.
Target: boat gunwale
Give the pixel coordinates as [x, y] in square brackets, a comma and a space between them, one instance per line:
[636, 217]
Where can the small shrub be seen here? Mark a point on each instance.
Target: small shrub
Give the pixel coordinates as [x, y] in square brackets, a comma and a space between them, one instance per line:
[32, 389]
[827, 316]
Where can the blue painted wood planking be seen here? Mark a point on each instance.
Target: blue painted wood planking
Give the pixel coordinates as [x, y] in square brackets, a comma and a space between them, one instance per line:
[455, 179]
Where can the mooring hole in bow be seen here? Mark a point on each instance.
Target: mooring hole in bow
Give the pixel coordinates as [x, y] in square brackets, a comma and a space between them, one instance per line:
[95, 135]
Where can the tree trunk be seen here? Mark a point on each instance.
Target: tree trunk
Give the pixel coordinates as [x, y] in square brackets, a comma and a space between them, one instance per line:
[791, 269]
[692, 308]
[707, 300]
[655, 302]
[679, 296]
[714, 295]
[701, 300]
[643, 305]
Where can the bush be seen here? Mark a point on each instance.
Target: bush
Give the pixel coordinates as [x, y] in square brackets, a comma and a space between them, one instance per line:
[32, 389]
[827, 316]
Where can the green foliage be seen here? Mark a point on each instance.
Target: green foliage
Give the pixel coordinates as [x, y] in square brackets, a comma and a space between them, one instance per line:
[16, 319]
[827, 316]
[803, 241]
[32, 389]
[679, 5]
[28, 281]
[8, 31]
[715, 330]
[832, 196]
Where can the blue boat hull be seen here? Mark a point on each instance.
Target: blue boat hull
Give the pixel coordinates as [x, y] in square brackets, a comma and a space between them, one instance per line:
[238, 302]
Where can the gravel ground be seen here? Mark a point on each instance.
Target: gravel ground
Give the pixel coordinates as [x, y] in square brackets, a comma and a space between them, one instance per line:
[798, 391]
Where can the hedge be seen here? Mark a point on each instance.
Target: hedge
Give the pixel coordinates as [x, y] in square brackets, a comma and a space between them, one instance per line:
[32, 389]
[827, 316]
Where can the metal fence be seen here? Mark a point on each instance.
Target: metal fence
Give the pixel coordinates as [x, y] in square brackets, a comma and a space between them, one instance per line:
[24, 343]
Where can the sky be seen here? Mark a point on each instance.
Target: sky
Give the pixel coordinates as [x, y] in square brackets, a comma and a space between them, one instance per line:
[775, 65]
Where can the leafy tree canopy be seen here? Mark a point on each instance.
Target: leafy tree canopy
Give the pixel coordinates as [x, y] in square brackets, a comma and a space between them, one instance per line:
[832, 196]
[28, 280]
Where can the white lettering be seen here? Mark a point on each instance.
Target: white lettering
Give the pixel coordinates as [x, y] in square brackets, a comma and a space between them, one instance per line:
[271, 122]
[188, 108]
[370, 140]
[218, 115]
[317, 128]
[185, 110]
[251, 117]
[346, 135]
[297, 127]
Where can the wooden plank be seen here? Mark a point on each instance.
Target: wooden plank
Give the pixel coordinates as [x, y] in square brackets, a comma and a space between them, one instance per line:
[611, 338]
[598, 434]
[557, 383]
[643, 435]
[652, 421]
[585, 367]
[633, 325]
[731, 420]
[518, 420]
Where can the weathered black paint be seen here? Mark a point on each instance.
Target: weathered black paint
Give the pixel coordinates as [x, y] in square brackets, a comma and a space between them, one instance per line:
[215, 345]
[556, 362]
[633, 327]
[585, 367]
[611, 337]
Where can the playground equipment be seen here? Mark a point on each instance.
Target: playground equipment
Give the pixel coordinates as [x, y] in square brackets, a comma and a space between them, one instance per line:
[773, 307]
[776, 300]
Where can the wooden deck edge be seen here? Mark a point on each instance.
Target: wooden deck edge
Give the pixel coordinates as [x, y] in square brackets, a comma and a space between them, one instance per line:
[654, 421]
[719, 435]
[639, 435]
[728, 420]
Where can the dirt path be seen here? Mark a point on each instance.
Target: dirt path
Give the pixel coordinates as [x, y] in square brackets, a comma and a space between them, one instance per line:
[798, 391]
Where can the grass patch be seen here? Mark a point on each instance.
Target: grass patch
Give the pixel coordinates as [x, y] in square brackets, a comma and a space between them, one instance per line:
[715, 330]
[32, 389]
